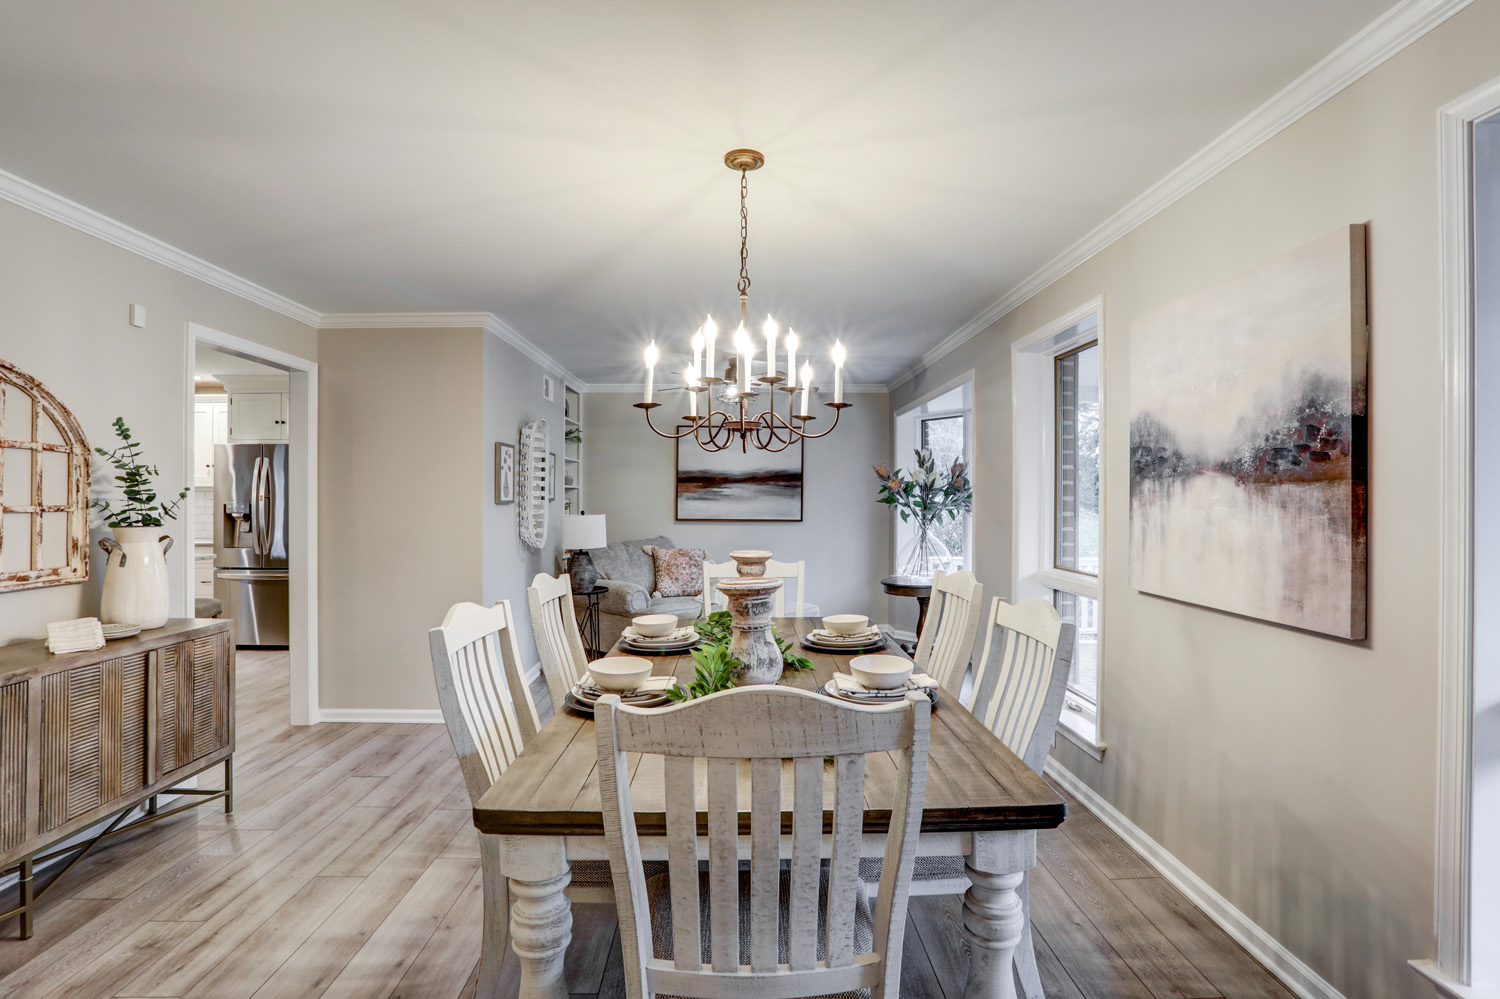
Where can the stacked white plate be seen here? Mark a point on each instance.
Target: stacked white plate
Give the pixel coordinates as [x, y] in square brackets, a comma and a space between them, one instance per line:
[584, 695]
[678, 641]
[846, 688]
[824, 640]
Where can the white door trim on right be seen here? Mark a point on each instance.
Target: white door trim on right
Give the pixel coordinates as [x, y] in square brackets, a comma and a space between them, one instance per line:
[1453, 898]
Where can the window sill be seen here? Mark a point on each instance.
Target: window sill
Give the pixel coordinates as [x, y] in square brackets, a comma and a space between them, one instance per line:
[1082, 730]
[1445, 985]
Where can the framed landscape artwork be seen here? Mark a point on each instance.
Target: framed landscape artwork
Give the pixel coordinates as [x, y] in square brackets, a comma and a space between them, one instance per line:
[1248, 445]
[735, 485]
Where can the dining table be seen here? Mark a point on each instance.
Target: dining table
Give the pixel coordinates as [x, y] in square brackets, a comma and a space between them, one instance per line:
[982, 802]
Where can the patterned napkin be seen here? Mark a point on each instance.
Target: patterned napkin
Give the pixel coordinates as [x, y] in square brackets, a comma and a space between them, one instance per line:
[850, 687]
[653, 687]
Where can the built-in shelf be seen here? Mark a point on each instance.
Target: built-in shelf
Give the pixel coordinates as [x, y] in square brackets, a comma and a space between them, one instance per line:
[573, 418]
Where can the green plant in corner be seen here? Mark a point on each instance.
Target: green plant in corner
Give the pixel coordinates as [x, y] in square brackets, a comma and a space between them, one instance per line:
[141, 507]
[573, 435]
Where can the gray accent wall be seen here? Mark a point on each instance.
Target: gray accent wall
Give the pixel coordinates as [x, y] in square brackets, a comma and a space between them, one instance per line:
[1293, 773]
[629, 476]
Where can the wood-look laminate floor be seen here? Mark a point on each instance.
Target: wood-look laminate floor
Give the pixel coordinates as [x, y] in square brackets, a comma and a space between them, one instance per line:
[350, 871]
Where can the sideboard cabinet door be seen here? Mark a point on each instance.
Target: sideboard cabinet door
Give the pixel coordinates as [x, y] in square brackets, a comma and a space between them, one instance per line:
[93, 737]
[193, 682]
[13, 697]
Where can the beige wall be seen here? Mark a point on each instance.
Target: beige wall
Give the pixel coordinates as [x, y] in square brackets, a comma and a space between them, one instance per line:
[1293, 773]
[844, 536]
[66, 298]
[400, 524]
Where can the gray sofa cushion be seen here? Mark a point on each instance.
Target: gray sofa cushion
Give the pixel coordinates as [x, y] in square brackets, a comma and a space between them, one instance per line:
[686, 608]
[625, 562]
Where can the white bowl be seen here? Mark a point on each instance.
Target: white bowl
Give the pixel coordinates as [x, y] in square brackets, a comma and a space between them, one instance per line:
[880, 672]
[847, 624]
[654, 625]
[620, 673]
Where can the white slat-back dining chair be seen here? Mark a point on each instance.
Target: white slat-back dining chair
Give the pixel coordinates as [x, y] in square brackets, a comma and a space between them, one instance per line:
[713, 571]
[787, 572]
[1018, 692]
[554, 626]
[947, 639]
[490, 716]
[727, 933]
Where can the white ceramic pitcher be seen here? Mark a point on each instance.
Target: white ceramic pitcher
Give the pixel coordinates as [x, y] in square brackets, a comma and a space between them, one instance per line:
[136, 589]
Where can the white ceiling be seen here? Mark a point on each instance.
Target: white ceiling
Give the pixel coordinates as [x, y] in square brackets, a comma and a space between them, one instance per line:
[560, 164]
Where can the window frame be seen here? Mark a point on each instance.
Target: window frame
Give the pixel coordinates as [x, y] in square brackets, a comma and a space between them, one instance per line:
[907, 436]
[1034, 478]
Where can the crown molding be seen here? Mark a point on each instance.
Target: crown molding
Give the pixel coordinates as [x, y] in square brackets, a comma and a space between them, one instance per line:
[402, 320]
[487, 321]
[1374, 44]
[23, 193]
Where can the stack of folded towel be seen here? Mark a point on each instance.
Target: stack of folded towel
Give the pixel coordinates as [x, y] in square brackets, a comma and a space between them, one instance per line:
[75, 636]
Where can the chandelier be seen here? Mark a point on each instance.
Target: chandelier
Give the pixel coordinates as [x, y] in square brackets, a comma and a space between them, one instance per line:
[738, 390]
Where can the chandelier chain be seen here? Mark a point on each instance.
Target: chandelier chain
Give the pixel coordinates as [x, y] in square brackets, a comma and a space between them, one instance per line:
[744, 282]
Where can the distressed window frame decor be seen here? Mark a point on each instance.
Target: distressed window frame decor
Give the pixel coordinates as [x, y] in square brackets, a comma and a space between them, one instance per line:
[688, 446]
[73, 445]
[504, 496]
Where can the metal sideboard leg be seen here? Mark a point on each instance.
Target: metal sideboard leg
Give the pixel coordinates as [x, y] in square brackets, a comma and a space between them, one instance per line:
[28, 899]
[229, 784]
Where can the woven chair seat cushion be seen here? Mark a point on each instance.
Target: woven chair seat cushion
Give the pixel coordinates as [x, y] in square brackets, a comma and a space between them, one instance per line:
[925, 869]
[659, 902]
[597, 874]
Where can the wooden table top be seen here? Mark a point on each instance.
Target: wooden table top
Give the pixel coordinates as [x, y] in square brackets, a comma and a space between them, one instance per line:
[974, 783]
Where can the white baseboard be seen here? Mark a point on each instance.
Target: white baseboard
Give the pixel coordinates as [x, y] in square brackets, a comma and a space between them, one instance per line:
[1282, 963]
[533, 671]
[383, 716]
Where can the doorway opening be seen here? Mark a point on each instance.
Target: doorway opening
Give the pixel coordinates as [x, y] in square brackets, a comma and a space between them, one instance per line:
[252, 433]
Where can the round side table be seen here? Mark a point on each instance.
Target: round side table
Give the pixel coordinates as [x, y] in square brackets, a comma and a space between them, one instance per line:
[588, 621]
[897, 586]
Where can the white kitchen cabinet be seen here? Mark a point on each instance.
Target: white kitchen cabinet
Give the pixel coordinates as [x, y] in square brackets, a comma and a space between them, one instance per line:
[210, 427]
[203, 579]
[257, 417]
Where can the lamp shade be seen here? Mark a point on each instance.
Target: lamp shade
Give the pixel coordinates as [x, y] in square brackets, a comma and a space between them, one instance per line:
[583, 531]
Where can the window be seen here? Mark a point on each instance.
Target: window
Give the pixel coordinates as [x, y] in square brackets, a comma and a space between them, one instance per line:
[944, 425]
[1058, 524]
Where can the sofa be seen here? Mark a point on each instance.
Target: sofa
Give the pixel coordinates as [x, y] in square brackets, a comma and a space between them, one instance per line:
[628, 575]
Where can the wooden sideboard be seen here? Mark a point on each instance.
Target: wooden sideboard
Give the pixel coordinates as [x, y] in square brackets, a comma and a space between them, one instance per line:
[88, 736]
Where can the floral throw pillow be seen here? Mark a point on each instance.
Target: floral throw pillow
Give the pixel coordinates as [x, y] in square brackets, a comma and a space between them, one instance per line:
[679, 571]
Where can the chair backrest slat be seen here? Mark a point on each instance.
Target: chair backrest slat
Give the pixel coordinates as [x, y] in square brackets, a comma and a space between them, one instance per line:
[486, 704]
[724, 863]
[947, 639]
[765, 862]
[554, 625]
[807, 840]
[843, 869]
[1022, 676]
[764, 726]
[682, 858]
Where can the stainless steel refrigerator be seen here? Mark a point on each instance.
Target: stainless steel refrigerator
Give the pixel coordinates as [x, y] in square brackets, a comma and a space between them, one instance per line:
[250, 541]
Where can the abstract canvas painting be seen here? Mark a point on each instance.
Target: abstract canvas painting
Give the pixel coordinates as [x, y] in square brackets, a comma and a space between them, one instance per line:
[736, 485]
[1247, 442]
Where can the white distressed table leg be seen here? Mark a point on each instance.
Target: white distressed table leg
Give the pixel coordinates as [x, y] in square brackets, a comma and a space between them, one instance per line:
[993, 914]
[541, 917]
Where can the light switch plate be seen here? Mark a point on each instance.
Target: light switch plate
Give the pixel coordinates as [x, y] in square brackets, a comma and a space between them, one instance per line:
[137, 315]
